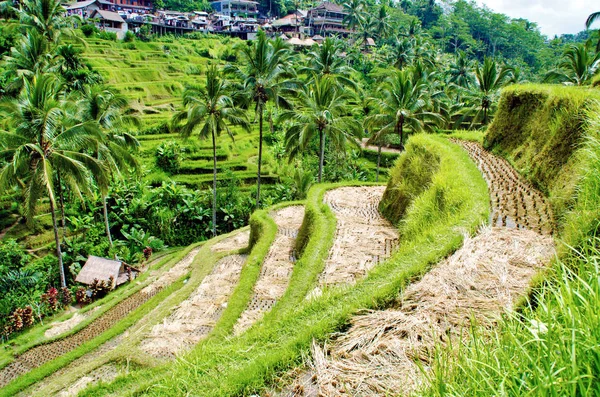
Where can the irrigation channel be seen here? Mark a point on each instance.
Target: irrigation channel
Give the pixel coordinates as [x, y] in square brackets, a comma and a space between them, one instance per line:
[383, 352]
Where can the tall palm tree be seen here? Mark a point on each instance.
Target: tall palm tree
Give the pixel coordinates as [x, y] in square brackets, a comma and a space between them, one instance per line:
[210, 110]
[46, 17]
[107, 109]
[404, 102]
[577, 67]
[355, 13]
[45, 140]
[489, 79]
[265, 72]
[593, 17]
[459, 72]
[321, 109]
[381, 25]
[326, 60]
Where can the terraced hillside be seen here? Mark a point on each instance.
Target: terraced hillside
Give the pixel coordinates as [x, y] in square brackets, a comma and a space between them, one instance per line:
[220, 296]
[245, 310]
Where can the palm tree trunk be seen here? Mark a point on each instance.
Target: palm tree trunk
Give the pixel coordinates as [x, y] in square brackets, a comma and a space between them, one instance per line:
[378, 161]
[401, 133]
[63, 280]
[260, 139]
[484, 115]
[106, 224]
[214, 203]
[321, 153]
[62, 206]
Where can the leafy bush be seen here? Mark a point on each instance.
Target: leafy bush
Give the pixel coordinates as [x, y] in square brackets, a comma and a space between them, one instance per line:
[12, 255]
[89, 29]
[129, 37]
[168, 156]
[104, 35]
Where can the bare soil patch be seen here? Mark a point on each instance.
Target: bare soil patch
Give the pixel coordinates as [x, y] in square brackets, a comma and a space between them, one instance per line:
[277, 267]
[515, 203]
[237, 241]
[195, 317]
[363, 238]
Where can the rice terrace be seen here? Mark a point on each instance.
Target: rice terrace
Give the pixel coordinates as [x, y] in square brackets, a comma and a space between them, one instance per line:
[297, 198]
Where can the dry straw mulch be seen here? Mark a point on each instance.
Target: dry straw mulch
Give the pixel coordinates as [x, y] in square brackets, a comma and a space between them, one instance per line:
[276, 268]
[237, 241]
[195, 317]
[380, 352]
[363, 237]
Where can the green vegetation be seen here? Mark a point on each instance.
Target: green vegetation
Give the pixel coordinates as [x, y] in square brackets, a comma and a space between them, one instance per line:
[246, 363]
[539, 130]
[551, 135]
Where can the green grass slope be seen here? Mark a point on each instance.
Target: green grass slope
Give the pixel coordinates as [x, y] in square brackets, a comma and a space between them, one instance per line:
[551, 346]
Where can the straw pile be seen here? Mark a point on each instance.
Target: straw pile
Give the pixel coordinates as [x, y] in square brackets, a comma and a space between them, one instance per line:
[277, 267]
[195, 317]
[379, 354]
[237, 241]
[173, 274]
[106, 373]
[363, 237]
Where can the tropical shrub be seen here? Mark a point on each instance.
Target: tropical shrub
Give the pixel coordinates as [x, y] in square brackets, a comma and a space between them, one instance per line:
[168, 156]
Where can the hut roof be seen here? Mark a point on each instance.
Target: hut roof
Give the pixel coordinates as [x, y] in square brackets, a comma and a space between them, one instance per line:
[99, 268]
[107, 16]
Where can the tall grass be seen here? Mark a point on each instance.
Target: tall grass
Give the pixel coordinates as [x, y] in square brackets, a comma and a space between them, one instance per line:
[551, 346]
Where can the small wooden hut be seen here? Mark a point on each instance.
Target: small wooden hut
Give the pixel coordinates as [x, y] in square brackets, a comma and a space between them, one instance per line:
[103, 269]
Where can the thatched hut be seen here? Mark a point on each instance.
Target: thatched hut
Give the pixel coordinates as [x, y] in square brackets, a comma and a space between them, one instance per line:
[103, 269]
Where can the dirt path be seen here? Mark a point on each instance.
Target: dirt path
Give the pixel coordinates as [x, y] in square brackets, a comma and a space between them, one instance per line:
[277, 267]
[381, 352]
[39, 355]
[384, 149]
[363, 237]
[7, 229]
[195, 317]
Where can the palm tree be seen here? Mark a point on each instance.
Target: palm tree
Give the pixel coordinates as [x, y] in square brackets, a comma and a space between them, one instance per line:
[593, 17]
[459, 72]
[321, 110]
[46, 140]
[402, 53]
[355, 13]
[490, 79]
[577, 67]
[404, 102]
[381, 27]
[209, 110]
[108, 109]
[29, 57]
[264, 71]
[326, 60]
[45, 17]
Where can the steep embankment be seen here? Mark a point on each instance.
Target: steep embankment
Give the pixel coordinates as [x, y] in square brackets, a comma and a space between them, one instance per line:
[551, 347]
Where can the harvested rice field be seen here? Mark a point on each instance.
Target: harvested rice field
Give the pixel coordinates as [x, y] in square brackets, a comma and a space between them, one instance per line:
[277, 267]
[41, 354]
[363, 237]
[194, 318]
[383, 352]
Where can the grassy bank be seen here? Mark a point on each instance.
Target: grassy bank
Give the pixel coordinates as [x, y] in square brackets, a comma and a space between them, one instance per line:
[247, 363]
[551, 346]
